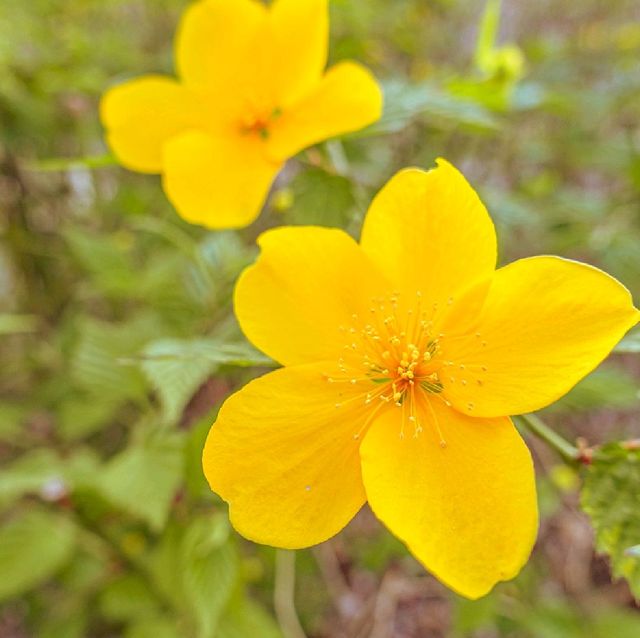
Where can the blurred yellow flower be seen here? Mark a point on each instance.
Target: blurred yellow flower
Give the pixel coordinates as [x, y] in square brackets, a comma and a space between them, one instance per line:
[252, 93]
[403, 357]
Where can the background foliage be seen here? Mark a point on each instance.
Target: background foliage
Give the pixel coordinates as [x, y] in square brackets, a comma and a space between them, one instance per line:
[118, 341]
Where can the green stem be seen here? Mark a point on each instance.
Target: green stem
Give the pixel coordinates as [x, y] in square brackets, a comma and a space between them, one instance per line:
[284, 594]
[537, 426]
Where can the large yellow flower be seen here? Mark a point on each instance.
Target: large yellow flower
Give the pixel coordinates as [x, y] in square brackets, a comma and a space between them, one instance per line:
[252, 93]
[403, 356]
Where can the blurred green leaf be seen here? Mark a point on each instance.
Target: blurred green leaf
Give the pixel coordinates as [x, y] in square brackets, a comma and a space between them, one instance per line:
[405, 102]
[198, 567]
[80, 415]
[210, 569]
[143, 479]
[11, 417]
[16, 324]
[473, 615]
[127, 598]
[607, 387]
[105, 258]
[611, 498]
[34, 545]
[153, 628]
[195, 481]
[44, 473]
[243, 618]
[73, 625]
[320, 198]
[96, 361]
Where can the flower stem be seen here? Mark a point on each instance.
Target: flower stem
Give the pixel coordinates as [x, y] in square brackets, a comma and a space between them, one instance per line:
[537, 426]
[284, 594]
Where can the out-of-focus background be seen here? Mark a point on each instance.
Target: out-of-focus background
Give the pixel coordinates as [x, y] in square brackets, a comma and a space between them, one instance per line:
[118, 342]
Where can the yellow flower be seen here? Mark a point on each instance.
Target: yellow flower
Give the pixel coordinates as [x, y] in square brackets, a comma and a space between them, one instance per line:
[252, 93]
[403, 356]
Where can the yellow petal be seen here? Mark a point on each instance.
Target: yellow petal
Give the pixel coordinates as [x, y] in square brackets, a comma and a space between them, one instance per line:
[141, 115]
[300, 34]
[218, 182]
[429, 232]
[285, 458]
[466, 511]
[215, 42]
[296, 302]
[546, 323]
[346, 99]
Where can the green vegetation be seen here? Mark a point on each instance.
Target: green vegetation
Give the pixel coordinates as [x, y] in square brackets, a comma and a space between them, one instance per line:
[118, 339]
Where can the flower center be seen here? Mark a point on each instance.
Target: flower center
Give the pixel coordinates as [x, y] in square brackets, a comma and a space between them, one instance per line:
[394, 355]
[258, 123]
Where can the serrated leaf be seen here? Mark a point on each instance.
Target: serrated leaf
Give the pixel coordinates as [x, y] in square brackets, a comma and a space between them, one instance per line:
[405, 102]
[143, 479]
[96, 364]
[210, 571]
[176, 368]
[33, 547]
[611, 498]
[197, 567]
[104, 259]
[212, 350]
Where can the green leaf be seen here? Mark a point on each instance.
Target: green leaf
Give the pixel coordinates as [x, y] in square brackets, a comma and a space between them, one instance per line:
[607, 387]
[127, 598]
[320, 198]
[80, 415]
[611, 497]
[97, 364]
[33, 547]
[212, 350]
[405, 102]
[243, 618]
[154, 628]
[197, 566]
[104, 257]
[43, 472]
[11, 417]
[195, 481]
[72, 625]
[143, 479]
[210, 571]
[176, 368]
